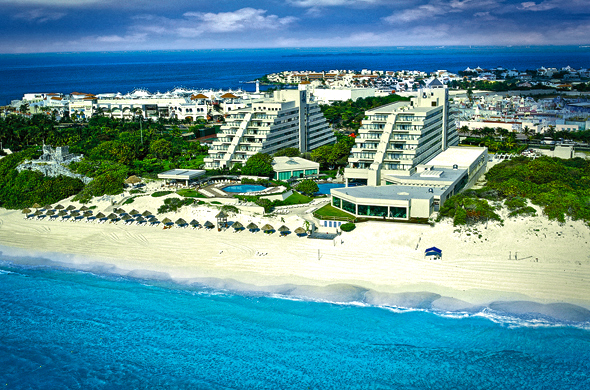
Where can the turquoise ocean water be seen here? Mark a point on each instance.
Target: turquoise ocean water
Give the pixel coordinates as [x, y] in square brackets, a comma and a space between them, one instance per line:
[67, 329]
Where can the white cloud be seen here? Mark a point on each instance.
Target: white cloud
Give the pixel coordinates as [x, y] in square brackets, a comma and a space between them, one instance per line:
[53, 3]
[532, 6]
[330, 3]
[242, 19]
[437, 8]
[39, 16]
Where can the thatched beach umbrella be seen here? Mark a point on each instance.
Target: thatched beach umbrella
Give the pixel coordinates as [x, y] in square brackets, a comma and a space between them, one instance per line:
[38, 212]
[88, 213]
[71, 207]
[284, 230]
[59, 207]
[252, 226]
[194, 222]
[112, 216]
[126, 217]
[268, 228]
[62, 213]
[26, 211]
[140, 219]
[75, 214]
[209, 225]
[132, 180]
[83, 208]
[147, 213]
[238, 226]
[134, 212]
[50, 212]
[180, 221]
[36, 206]
[300, 230]
[47, 207]
[100, 215]
[167, 222]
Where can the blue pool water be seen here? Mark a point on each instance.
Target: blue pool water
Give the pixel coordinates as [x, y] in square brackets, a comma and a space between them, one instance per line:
[324, 188]
[244, 188]
[66, 329]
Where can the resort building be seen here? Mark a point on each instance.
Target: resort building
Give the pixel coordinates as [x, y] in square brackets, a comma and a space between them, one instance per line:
[286, 168]
[287, 120]
[396, 138]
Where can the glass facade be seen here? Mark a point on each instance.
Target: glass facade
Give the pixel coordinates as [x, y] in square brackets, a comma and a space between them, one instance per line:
[398, 212]
[372, 211]
[348, 206]
[311, 172]
[297, 173]
[284, 175]
[336, 202]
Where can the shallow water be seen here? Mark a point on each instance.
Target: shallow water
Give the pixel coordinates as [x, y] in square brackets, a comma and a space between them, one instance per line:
[71, 329]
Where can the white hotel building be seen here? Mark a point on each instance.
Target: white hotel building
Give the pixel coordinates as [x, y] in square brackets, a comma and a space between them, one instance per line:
[395, 138]
[289, 119]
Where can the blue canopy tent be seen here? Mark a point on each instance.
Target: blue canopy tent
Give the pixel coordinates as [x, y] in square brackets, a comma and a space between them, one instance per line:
[433, 252]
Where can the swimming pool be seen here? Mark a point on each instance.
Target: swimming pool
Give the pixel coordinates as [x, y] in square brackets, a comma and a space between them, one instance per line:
[239, 188]
[325, 188]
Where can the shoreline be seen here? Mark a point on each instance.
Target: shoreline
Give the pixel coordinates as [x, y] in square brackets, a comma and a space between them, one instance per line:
[382, 263]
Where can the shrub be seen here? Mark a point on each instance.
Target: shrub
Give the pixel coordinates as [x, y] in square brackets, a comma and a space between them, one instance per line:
[230, 209]
[516, 202]
[173, 204]
[308, 187]
[523, 211]
[129, 201]
[347, 227]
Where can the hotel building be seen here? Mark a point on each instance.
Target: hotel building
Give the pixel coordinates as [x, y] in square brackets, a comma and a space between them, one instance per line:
[287, 120]
[397, 137]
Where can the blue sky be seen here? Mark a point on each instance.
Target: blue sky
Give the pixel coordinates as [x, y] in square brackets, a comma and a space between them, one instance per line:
[99, 25]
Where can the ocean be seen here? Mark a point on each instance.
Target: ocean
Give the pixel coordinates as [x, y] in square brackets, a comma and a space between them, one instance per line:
[165, 70]
[70, 329]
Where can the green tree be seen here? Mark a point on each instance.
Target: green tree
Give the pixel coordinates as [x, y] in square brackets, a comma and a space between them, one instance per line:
[288, 152]
[161, 148]
[308, 187]
[259, 164]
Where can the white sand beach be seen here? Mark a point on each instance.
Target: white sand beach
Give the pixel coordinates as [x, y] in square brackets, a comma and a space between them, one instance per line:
[527, 259]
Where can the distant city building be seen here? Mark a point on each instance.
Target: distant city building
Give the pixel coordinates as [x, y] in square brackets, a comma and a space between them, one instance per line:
[288, 120]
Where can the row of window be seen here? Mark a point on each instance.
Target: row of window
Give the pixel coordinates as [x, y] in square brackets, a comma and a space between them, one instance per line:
[370, 210]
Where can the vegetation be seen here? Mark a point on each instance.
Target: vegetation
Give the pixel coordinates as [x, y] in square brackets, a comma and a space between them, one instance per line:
[560, 187]
[308, 187]
[347, 227]
[349, 114]
[190, 193]
[288, 152]
[331, 156]
[20, 190]
[173, 204]
[113, 149]
[330, 212]
[259, 164]
[158, 194]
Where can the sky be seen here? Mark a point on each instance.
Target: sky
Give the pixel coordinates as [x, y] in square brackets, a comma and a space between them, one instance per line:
[30, 26]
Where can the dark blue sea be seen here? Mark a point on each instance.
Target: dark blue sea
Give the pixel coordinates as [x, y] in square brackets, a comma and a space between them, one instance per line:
[164, 70]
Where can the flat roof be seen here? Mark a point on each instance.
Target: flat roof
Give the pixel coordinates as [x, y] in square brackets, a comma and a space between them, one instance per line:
[282, 164]
[461, 156]
[437, 176]
[388, 192]
[181, 174]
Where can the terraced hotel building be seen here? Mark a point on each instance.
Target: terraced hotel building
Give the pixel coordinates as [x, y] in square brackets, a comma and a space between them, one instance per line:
[394, 139]
[288, 120]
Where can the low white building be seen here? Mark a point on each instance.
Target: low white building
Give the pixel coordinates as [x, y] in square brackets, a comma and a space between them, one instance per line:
[286, 168]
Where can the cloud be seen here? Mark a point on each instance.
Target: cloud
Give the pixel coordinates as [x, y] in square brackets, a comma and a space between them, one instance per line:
[437, 8]
[242, 19]
[532, 6]
[330, 3]
[193, 24]
[39, 16]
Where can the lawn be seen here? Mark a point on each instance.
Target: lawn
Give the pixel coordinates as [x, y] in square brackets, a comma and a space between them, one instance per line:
[330, 212]
[157, 194]
[296, 198]
[190, 193]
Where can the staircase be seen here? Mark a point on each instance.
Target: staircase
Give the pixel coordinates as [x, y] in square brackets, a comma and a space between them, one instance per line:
[375, 168]
[229, 154]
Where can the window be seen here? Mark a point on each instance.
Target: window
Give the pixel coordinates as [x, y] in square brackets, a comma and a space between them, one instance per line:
[372, 211]
[348, 206]
[297, 173]
[336, 202]
[311, 172]
[398, 212]
[284, 175]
